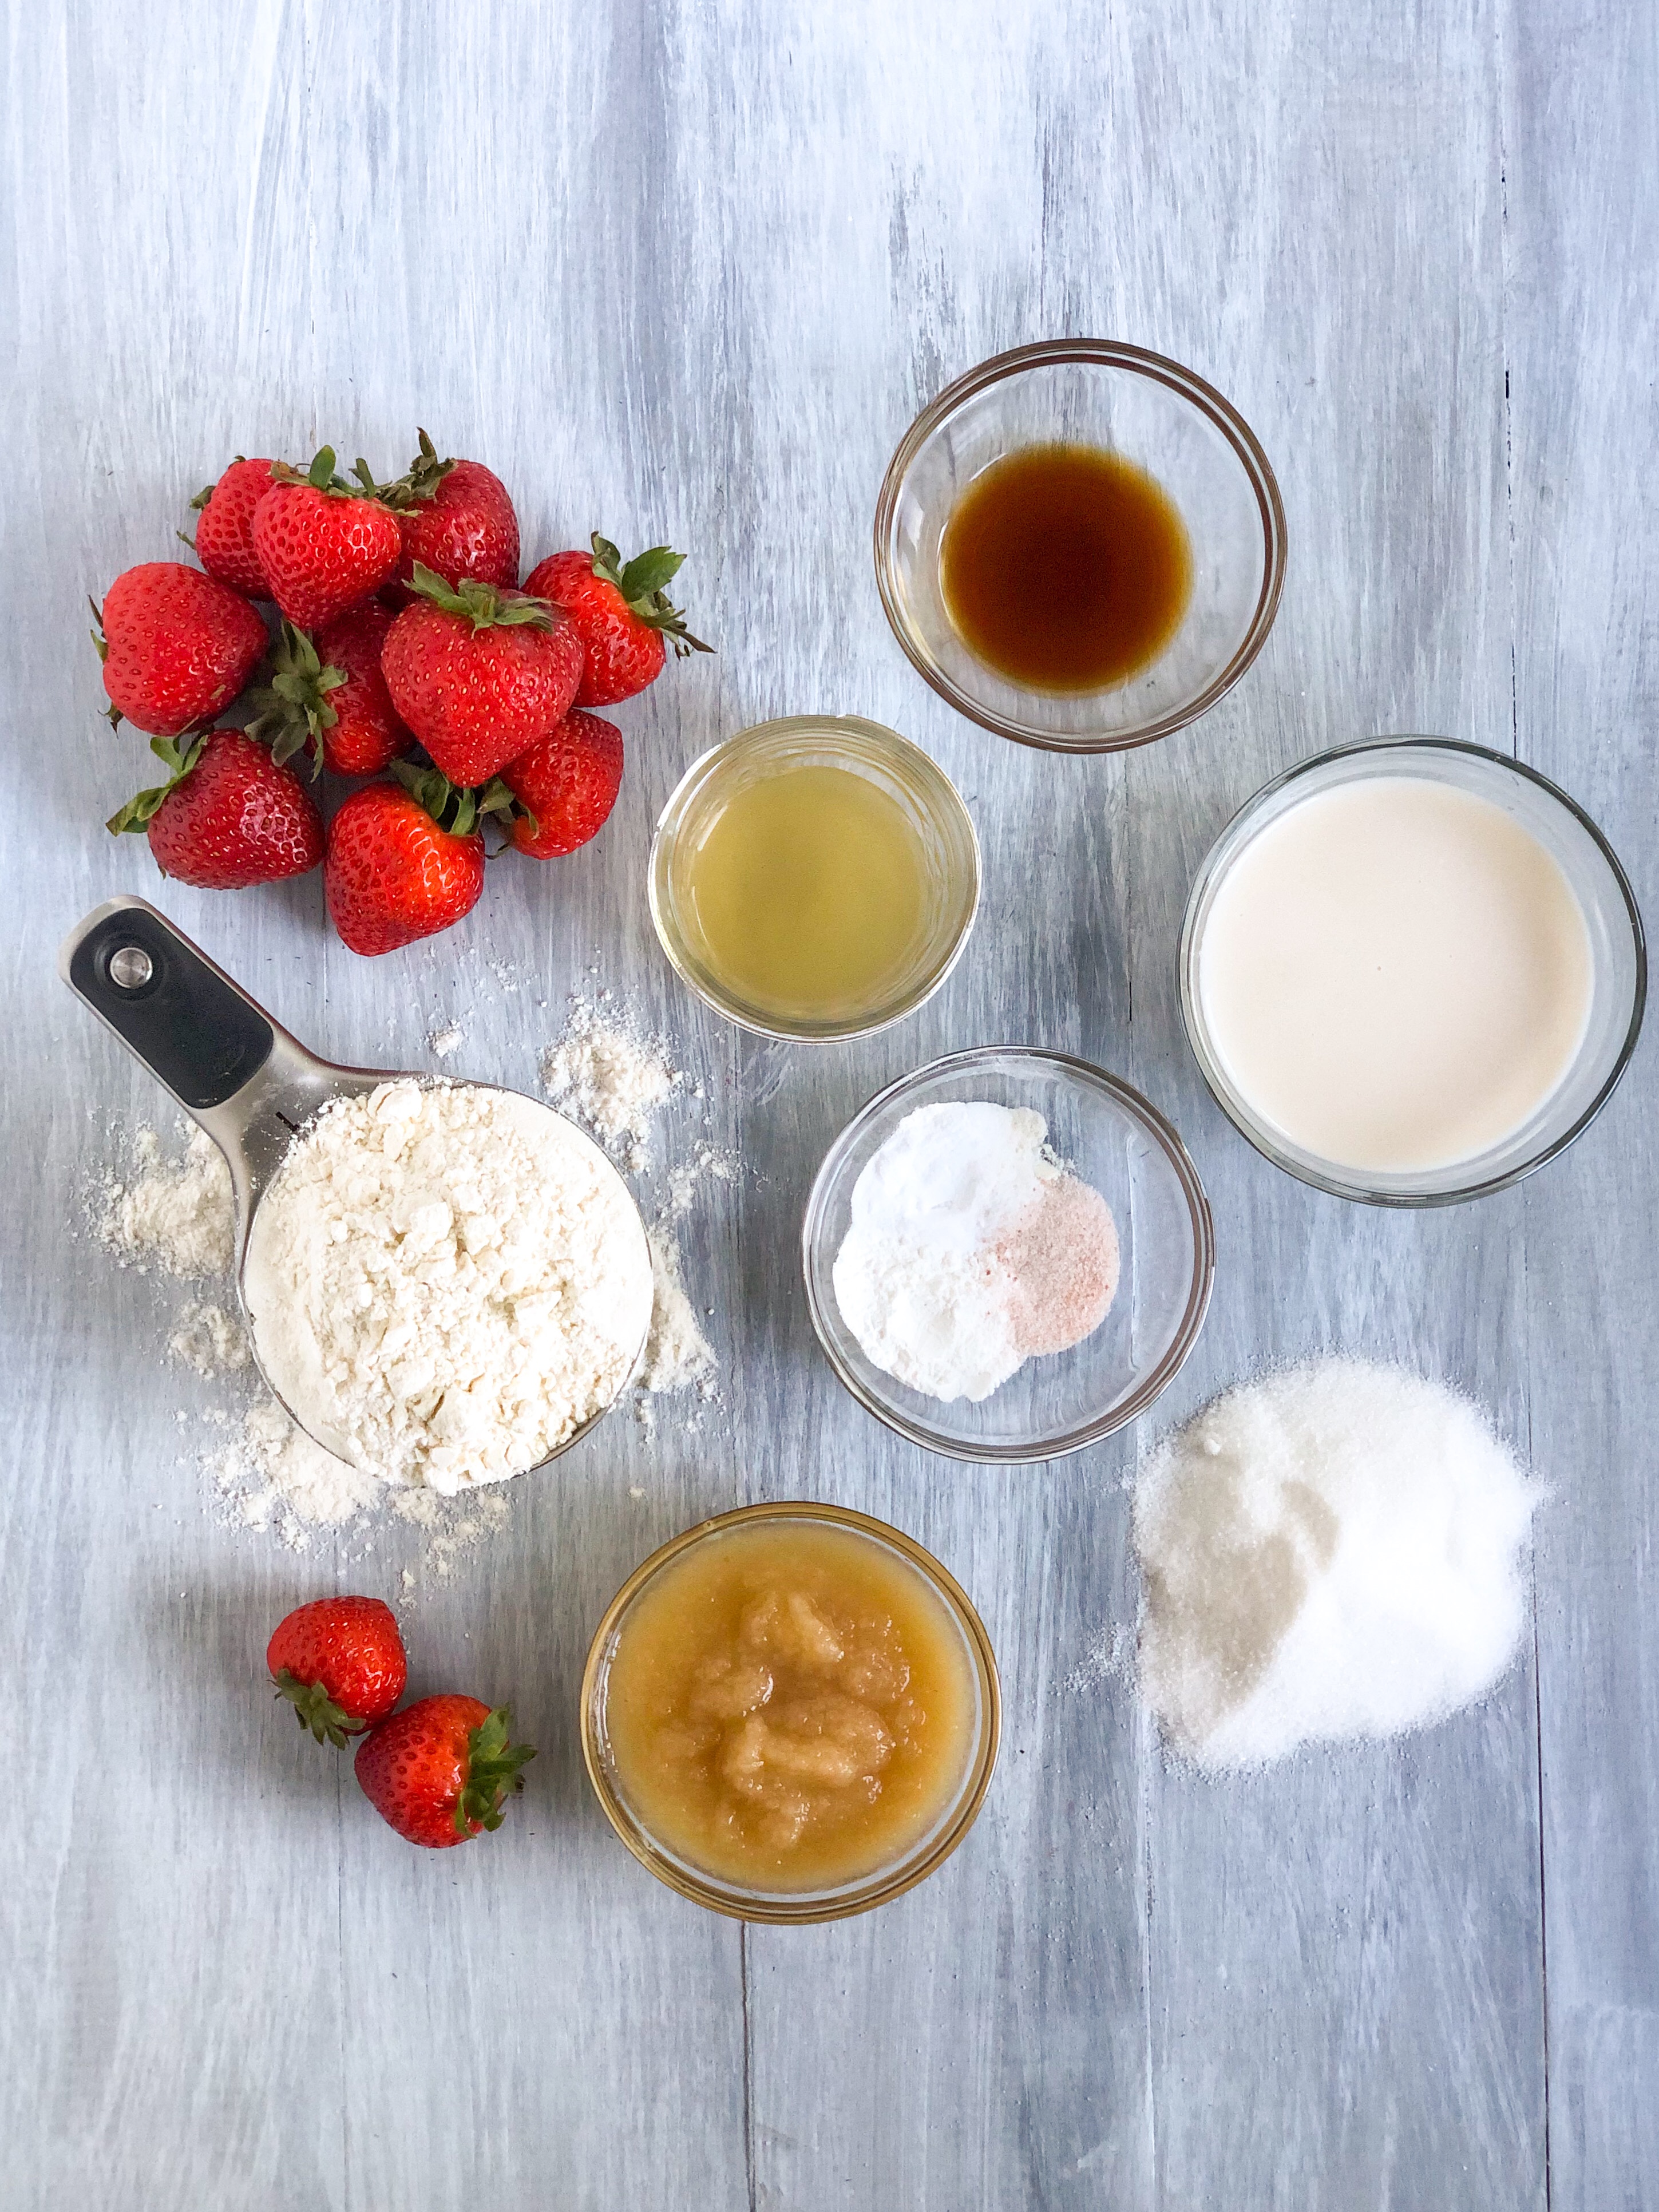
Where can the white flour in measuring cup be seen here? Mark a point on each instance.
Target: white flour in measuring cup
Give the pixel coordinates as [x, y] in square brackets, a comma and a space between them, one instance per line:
[446, 1282]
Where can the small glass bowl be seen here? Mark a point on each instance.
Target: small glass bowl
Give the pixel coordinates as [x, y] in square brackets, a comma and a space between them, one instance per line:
[1113, 1139]
[1155, 413]
[1617, 956]
[942, 824]
[785, 1907]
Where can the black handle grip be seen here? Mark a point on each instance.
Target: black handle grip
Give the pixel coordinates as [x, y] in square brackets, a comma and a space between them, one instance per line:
[188, 1023]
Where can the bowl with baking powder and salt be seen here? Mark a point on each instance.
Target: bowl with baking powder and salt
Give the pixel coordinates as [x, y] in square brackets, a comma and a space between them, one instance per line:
[1008, 1254]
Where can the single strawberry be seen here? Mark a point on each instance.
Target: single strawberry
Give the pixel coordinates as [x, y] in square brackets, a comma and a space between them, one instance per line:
[177, 646]
[566, 785]
[406, 859]
[325, 544]
[340, 1662]
[622, 614]
[327, 695]
[479, 674]
[441, 1769]
[456, 520]
[224, 536]
[229, 816]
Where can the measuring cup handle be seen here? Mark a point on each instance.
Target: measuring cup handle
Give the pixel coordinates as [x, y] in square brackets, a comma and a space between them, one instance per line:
[197, 1032]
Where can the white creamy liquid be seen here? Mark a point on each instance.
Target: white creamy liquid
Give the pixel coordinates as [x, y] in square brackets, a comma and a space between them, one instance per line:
[1395, 975]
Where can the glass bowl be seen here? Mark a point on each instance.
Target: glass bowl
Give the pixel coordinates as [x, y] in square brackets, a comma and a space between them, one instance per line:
[1115, 1141]
[930, 800]
[1618, 957]
[926, 1853]
[1173, 425]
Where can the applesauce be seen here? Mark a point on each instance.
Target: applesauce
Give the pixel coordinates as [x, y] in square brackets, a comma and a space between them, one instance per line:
[789, 1704]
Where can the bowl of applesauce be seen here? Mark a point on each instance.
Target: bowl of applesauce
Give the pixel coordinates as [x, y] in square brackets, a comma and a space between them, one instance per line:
[791, 1713]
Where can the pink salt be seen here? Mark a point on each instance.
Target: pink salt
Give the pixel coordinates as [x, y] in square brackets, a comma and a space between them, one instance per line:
[1062, 1254]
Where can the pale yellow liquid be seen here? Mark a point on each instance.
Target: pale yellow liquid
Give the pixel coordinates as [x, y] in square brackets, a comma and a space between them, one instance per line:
[809, 893]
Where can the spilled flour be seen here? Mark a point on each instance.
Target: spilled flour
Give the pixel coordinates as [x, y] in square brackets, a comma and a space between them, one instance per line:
[609, 1074]
[176, 1215]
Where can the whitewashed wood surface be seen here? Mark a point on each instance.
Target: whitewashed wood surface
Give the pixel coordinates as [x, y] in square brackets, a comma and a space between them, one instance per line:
[687, 271]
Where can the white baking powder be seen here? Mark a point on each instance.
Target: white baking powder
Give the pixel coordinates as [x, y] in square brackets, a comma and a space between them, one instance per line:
[1337, 1551]
[446, 1282]
[970, 1248]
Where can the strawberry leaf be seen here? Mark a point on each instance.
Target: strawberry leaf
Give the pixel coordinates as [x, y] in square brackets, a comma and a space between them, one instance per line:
[178, 755]
[203, 497]
[650, 573]
[481, 605]
[492, 1771]
[643, 583]
[421, 480]
[314, 1709]
[293, 710]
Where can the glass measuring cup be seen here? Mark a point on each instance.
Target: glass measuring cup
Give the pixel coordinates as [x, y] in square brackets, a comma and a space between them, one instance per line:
[253, 1087]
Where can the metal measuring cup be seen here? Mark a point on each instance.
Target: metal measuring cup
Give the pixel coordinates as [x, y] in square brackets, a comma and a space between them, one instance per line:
[244, 1078]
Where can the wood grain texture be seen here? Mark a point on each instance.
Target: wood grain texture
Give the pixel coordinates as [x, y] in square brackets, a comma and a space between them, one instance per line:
[690, 270]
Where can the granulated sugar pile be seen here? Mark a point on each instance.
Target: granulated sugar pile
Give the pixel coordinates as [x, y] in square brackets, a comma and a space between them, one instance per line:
[1338, 1551]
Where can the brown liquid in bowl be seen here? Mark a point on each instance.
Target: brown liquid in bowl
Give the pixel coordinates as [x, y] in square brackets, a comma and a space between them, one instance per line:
[1066, 568]
[789, 1707]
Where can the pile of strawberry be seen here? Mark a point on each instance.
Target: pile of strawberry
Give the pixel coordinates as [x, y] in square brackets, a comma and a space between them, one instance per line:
[405, 651]
[439, 1771]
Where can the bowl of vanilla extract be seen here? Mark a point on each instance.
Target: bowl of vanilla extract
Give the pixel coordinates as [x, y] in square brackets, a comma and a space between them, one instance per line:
[1080, 545]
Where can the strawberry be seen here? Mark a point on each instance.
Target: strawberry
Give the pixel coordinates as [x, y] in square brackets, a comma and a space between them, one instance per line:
[406, 859]
[340, 1661]
[177, 646]
[566, 785]
[325, 544]
[621, 615]
[224, 536]
[439, 1770]
[229, 818]
[327, 694]
[456, 520]
[479, 674]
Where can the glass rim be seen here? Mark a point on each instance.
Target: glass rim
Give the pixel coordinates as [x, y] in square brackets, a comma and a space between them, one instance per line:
[1231, 840]
[729, 1009]
[785, 1908]
[1163, 1132]
[1158, 368]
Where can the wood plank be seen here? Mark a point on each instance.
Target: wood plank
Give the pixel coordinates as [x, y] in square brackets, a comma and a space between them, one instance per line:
[1581, 98]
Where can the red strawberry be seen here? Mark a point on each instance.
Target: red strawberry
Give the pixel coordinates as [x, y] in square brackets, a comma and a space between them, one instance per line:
[439, 1770]
[406, 859]
[224, 536]
[456, 520]
[177, 646]
[329, 696]
[622, 614]
[325, 544]
[230, 816]
[566, 785]
[340, 1661]
[478, 674]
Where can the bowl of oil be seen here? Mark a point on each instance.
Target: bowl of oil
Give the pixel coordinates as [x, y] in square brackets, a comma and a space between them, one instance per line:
[1081, 545]
[814, 877]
